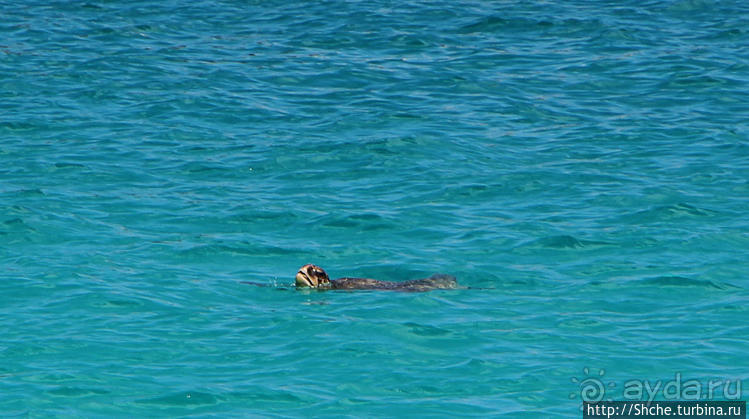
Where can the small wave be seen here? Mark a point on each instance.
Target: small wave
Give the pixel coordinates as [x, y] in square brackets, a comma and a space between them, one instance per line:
[680, 281]
[66, 165]
[566, 242]
[244, 249]
[16, 226]
[189, 398]
[76, 392]
[426, 330]
[367, 221]
[496, 23]
[668, 212]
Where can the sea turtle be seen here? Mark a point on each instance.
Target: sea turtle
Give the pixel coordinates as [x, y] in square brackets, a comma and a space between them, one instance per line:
[313, 276]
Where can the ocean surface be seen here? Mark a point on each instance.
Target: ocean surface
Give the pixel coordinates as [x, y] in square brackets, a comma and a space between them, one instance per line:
[581, 166]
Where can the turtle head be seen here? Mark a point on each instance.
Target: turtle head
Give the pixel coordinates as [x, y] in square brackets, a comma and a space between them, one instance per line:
[312, 276]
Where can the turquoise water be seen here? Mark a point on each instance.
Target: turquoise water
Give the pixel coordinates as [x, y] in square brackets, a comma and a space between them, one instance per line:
[586, 162]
